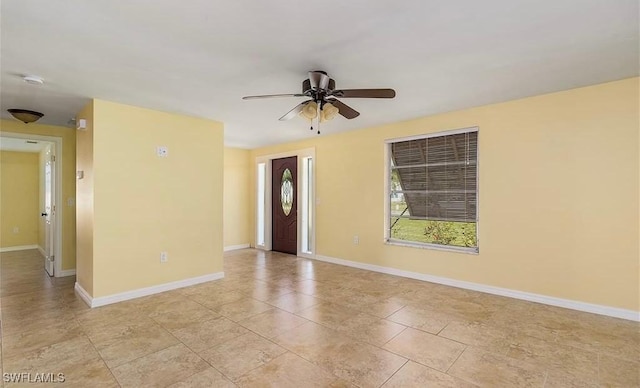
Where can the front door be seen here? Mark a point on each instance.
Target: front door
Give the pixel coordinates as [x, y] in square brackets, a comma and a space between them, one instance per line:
[284, 205]
[49, 211]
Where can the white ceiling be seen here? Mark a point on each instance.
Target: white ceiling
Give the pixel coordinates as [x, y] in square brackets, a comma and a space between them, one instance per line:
[199, 57]
[21, 145]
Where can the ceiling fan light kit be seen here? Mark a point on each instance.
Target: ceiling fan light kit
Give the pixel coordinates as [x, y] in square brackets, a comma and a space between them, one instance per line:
[323, 106]
[310, 110]
[329, 112]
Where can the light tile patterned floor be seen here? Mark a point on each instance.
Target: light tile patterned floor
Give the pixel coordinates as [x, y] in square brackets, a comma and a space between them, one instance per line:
[281, 321]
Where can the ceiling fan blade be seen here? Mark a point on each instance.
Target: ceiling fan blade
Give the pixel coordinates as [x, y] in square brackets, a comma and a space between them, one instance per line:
[295, 111]
[273, 96]
[365, 93]
[344, 109]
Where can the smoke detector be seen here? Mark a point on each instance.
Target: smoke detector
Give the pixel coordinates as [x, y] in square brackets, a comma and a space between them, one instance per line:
[33, 79]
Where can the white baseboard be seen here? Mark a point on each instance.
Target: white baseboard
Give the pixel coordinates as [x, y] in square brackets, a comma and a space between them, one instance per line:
[65, 272]
[83, 294]
[236, 247]
[140, 292]
[528, 296]
[18, 248]
[41, 249]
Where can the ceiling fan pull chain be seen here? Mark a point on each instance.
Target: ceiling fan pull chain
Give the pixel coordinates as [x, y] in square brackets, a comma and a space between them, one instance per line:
[319, 116]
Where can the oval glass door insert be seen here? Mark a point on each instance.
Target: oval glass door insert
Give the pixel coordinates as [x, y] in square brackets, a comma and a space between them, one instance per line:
[286, 192]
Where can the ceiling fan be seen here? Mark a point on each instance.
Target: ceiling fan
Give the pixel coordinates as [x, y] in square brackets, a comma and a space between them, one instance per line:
[322, 104]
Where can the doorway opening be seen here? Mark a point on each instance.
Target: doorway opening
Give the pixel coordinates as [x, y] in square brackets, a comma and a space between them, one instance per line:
[285, 206]
[32, 196]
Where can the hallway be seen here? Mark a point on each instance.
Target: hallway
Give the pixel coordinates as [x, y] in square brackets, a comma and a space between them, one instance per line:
[278, 320]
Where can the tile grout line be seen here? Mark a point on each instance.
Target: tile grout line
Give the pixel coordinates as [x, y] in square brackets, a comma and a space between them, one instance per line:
[441, 330]
[75, 317]
[260, 366]
[191, 350]
[395, 311]
[237, 323]
[456, 360]
[291, 351]
[394, 373]
[142, 356]
[392, 338]
[326, 325]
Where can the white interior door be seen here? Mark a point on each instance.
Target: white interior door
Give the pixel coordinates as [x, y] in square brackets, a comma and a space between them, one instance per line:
[49, 211]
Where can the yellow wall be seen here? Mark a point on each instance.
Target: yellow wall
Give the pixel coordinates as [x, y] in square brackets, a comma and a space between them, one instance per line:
[144, 204]
[237, 180]
[558, 195]
[68, 213]
[84, 201]
[19, 198]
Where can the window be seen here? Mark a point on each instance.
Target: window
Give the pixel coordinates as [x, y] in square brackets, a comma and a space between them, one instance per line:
[307, 206]
[433, 190]
[286, 192]
[262, 176]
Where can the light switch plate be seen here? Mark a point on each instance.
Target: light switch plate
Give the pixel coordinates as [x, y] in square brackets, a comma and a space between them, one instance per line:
[162, 151]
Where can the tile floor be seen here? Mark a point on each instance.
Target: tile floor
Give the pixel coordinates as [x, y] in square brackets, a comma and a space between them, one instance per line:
[281, 321]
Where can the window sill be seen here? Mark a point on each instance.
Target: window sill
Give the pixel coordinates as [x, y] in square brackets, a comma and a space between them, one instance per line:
[437, 247]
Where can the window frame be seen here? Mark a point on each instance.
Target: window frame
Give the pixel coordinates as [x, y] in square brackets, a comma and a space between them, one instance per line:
[387, 194]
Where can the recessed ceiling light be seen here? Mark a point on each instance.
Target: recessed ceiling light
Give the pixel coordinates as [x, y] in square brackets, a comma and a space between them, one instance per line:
[33, 79]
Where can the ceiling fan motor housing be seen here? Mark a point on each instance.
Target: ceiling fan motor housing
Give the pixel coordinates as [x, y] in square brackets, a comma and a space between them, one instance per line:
[319, 80]
[306, 85]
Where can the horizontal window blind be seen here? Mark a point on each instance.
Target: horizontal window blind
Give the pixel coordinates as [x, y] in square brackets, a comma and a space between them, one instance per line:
[436, 177]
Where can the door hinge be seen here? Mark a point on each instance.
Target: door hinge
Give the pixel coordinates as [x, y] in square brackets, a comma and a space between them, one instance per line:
[53, 158]
[52, 258]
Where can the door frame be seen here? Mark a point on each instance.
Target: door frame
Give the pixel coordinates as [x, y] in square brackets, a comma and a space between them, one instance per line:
[57, 227]
[301, 155]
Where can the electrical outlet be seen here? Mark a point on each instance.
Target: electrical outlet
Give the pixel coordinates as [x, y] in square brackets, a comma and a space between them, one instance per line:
[16, 229]
[164, 257]
[356, 239]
